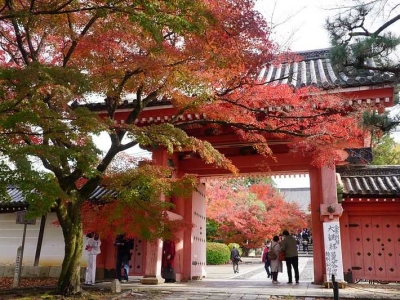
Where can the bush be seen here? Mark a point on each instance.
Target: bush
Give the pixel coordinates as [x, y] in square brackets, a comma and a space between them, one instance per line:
[230, 246]
[217, 253]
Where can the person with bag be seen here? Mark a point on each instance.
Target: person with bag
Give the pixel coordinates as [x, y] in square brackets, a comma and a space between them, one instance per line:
[265, 260]
[289, 248]
[235, 258]
[273, 257]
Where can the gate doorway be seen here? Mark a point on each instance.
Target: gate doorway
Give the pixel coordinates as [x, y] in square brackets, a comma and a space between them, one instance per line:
[252, 270]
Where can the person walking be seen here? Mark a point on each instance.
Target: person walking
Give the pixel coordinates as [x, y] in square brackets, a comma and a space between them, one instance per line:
[275, 263]
[288, 245]
[235, 258]
[305, 244]
[93, 244]
[124, 254]
[265, 260]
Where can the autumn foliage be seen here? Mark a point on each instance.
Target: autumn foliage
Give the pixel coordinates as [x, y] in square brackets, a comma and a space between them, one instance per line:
[130, 204]
[249, 214]
[201, 57]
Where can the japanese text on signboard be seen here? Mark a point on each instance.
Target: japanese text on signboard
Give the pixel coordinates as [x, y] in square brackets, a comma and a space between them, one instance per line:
[333, 253]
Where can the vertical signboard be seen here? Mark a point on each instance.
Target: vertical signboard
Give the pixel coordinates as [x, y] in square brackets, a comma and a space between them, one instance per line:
[333, 250]
[21, 219]
[17, 271]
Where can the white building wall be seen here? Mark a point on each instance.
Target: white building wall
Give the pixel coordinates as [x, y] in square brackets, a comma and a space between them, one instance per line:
[11, 234]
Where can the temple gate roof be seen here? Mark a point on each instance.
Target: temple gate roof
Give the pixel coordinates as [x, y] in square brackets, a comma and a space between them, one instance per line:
[315, 69]
[370, 182]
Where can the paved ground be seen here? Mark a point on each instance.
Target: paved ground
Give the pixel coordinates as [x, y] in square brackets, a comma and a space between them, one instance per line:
[252, 283]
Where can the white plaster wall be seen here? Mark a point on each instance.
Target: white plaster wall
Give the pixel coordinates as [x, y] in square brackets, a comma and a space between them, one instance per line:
[52, 252]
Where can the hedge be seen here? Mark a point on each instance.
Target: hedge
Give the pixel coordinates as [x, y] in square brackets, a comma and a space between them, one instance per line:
[217, 253]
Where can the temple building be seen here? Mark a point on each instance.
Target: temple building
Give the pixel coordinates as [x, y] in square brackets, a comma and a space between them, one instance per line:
[362, 221]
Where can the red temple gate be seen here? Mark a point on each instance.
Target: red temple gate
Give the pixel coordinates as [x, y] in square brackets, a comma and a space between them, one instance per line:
[190, 251]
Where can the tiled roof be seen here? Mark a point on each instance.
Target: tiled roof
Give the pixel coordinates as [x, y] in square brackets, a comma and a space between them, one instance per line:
[316, 69]
[17, 199]
[370, 181]
[100, 193]
[15, 203]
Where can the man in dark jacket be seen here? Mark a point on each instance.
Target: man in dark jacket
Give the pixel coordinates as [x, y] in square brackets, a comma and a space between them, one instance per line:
[289, 246]
[124, 254]
[235, 258]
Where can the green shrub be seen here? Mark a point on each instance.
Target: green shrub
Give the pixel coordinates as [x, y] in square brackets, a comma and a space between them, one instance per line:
[230, 246]
[217, 253]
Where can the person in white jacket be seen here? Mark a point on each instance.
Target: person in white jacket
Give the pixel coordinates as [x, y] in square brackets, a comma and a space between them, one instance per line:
[93, 249]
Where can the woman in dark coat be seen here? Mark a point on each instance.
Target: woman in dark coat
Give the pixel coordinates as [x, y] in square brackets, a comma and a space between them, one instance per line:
[167, 264]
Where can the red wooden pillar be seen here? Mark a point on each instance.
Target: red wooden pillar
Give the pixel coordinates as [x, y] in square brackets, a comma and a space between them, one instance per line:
[317, 233]
[323, 190]
[154, 249]
[109, 255]
[179, 245]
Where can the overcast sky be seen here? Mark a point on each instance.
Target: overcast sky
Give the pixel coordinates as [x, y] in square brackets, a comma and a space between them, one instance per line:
[298, 24]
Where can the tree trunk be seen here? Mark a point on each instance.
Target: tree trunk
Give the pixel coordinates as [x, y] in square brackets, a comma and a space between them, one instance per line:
[69, 280]
[245, 252]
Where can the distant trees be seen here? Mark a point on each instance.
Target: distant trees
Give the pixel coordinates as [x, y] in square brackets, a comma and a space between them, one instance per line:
[386, 152]
[248, 213]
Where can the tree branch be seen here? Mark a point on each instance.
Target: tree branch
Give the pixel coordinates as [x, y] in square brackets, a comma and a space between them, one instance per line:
[75, 41]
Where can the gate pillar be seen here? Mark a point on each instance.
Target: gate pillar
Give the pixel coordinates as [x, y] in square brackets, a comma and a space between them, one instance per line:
[325, 213]
[153, 263]
[154, 249]
[190, 257]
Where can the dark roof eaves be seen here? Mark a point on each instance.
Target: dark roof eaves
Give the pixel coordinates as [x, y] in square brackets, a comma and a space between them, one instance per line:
[368, 170]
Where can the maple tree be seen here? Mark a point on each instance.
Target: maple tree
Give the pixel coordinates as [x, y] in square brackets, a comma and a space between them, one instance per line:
[202, 56]
[138, 211]
[249, 214]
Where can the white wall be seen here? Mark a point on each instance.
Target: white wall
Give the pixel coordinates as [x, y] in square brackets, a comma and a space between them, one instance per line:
[11, 234]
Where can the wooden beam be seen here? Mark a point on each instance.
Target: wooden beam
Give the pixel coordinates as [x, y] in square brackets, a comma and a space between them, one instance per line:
[249, 164]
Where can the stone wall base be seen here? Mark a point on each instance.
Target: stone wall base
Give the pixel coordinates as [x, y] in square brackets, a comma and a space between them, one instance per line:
[43, 272]
[152, 280]
[341, 284]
